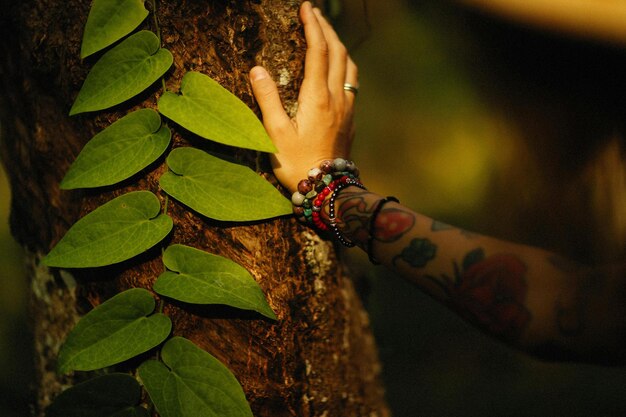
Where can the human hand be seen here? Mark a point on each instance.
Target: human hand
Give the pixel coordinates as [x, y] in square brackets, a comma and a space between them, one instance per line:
[323, 126]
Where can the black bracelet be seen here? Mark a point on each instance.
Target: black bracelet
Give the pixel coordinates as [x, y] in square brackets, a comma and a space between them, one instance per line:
[332, 219]
[372, 226]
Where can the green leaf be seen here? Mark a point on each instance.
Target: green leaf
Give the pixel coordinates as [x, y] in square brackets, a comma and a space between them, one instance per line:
[120, 229]
[119, 151]
[207, 109]
[221, 190]
[123, 72]
[192, 383]
[111, 395]
[118, 329]
[203, 278]
[109, 21]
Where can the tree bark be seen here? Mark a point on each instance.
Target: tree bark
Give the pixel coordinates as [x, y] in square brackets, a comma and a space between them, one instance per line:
[319, 358]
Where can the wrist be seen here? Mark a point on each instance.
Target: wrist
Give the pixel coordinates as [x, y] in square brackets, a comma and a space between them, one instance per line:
[292, 174]
[318, 190]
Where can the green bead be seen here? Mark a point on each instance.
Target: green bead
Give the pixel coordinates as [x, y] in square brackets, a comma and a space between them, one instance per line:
[340, 164]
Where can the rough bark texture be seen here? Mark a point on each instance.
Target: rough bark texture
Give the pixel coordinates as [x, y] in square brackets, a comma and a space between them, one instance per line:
[319, 359]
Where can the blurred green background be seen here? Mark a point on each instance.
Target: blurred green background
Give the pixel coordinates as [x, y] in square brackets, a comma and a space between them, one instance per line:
[473, 121]
[490, 126]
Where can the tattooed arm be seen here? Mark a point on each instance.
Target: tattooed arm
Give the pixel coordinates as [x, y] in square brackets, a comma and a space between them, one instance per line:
[528, 297]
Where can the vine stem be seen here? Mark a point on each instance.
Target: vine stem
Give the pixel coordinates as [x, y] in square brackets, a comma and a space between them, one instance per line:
[161, 303]
[156, 20]
[157, 29]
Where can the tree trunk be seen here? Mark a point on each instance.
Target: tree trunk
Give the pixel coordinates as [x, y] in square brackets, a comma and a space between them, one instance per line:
[319, 358]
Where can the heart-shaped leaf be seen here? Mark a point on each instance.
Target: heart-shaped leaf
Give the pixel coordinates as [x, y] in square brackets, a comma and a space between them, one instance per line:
[207, 109]
[119, 151]
[199, 277]
[123, 72]
[118, 329]
[111, 395]
[192, 383]
[109, 21]
[221, 190]
[118, 230]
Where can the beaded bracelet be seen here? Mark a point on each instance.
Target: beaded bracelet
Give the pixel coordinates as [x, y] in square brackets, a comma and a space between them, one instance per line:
[318, 181]
[318, 202]
[328, 179]
[372, 226]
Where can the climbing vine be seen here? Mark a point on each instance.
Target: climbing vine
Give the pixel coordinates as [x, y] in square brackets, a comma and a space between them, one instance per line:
[182, 380]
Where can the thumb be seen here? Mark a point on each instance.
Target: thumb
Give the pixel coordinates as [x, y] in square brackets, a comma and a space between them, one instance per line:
[266, 94]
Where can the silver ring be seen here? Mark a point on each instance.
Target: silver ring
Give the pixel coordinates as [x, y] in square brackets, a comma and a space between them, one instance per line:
[351, 88]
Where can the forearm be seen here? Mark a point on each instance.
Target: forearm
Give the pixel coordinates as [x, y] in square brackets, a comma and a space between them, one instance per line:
[529, 297]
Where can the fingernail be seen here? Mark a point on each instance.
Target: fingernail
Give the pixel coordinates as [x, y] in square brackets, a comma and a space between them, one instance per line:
[258, 73]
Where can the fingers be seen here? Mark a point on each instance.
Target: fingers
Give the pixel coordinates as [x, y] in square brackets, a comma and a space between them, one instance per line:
[316, 60]
[337, 68]
[266, 93]
[337, 55]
